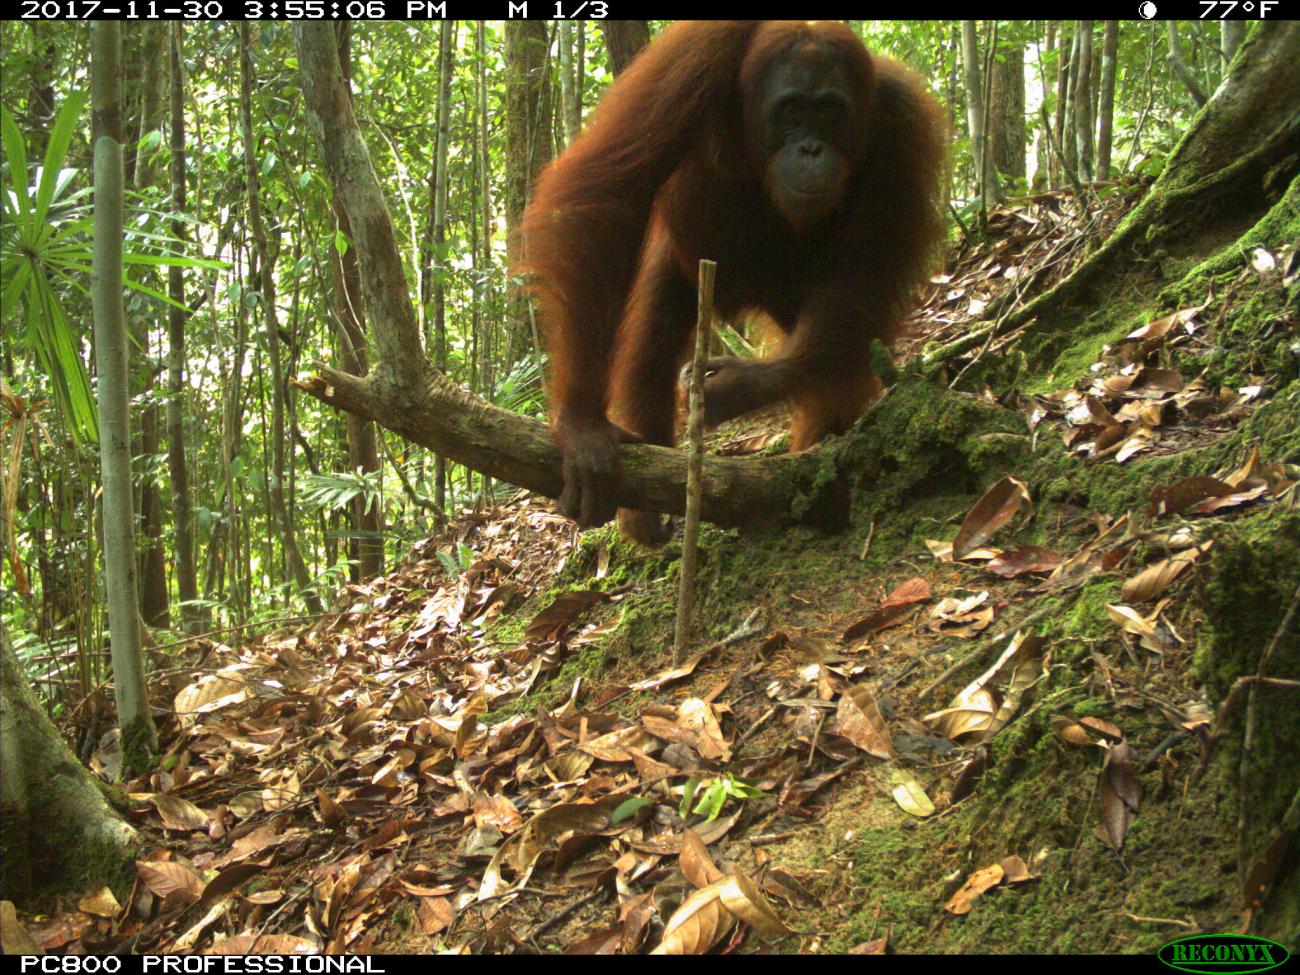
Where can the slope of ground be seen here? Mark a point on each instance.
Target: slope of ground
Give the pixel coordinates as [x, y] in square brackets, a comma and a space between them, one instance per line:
[985, 718]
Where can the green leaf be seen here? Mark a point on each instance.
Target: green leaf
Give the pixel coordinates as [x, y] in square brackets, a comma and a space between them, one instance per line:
[16, 153]
[629, 808]
[688, 793]
[65, 126]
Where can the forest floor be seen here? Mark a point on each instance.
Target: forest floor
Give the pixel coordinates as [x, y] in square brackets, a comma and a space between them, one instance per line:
[981, 719]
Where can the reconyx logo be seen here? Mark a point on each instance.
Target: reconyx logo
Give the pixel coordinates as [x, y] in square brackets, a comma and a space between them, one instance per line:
[1212, 954]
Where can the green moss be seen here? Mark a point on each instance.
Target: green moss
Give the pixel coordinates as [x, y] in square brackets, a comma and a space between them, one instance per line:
[139, 743]
[1086, 621]
[1251, 578]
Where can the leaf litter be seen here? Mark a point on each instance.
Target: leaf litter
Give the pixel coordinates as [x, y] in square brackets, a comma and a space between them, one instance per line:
[331, 788]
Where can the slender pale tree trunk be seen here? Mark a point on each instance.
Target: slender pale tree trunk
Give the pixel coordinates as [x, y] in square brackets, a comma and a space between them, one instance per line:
[1106, 112]
[182, 508]
[986, 184]
[1044, 161]
[447, 45]
[139, 739]
[572, 41]
[530, 45]
[1083, 101]
[1231, 34]
[1064, 77]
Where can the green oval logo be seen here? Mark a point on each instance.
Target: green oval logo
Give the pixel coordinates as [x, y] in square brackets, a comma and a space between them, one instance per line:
[1223, 954]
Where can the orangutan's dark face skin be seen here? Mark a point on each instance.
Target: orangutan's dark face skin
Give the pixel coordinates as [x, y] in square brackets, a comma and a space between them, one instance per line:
[806, 112]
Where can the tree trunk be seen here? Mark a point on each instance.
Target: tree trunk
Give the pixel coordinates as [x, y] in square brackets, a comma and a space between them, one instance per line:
[1231, 34]
[271, 322]
[1106, 112]
[153, 562]
[446, 47]
[182, 507]
[624, 39]
[986, 184]
[1066, 47]
[571, 76]
[57, 832]
[1044, 160]
[1180, 68]
[1007, 115]
[139, 739]
[367, 545]
[528, 149]
[484, 335]
[1083, 101]
[223, 542]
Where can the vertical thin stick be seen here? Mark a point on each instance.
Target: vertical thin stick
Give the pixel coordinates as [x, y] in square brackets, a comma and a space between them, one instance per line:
[694, 462]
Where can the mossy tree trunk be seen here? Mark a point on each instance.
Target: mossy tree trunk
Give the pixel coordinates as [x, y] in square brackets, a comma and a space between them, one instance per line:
[57, 832]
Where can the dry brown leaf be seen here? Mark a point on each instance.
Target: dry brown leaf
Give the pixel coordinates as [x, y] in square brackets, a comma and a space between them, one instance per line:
[893, 609]
[434, 914]
[1182, 494]
[211, 693]
[998, 505]
[697, 924]
[1155, 578]
[1071, 731]
[332, 814]
[942, 551]
[975, 710]
[168, 878]
[859, 720]
[264, 944]
[1102, 729]
[14, 938]
[697, 715]
[617, 745]
[1163, 326]
[877, 946]
[1121, 794]
[1014, 870]
[961, 616]
[671, 674]
[100, 903]
[178, 813]
[1024, 559]
[552, 621]
[495, 810]
[977, 883]
[521, 850]
[1210, 505]
[229, 880]
[695, 861]
[742, 897]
